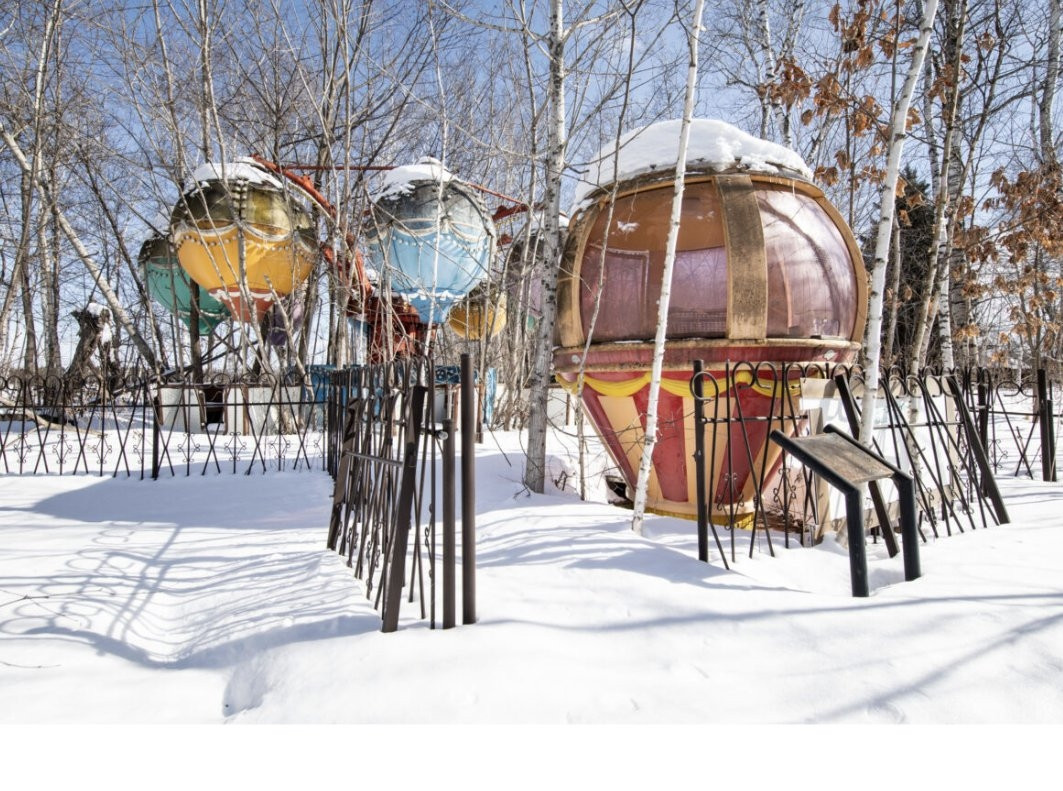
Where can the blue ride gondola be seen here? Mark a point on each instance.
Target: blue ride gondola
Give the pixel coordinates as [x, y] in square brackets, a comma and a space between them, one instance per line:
[431, 239]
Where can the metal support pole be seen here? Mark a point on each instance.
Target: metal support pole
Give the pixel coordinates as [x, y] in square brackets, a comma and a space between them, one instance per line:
[909, 528]
[449, 548]
[988, 482]
[156, 431]
[1044, 418]
[396, 562]
[1050, 422]
[983, 412]
[468, 492]
[854, 515]
[699, 463]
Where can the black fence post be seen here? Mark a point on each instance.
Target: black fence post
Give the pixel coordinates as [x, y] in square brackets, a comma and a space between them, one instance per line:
[699, 461]
[396, 561]
[854, 517]
[697, 389]
[449, 537]
[468, 492]
[156, 432]
[988, 482]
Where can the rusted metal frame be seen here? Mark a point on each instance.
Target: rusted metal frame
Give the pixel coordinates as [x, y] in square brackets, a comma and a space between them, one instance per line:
[41, 456]
[341, 494]
[29, 404]
[373, 537]
[419, 374]
[430, 460]
[5, 435]
[1046, 420]
[98, 411]
[704, 522]
[782, 492]
[1020, 445]
[699, 461]
[366, 517]
[144, 395]
[757, 504]
[759, 481]
[897, 438]
[385, 433]
[449, 528]
[983, 409]
[468, 491]
[976, 482]
[381, 486]
[898, 420]
[988, 482]
[852, 417]
[811, 504]
[728, 454]
[740, 420]
[362, 482]
[934, 469]
[304, 433]
[122, 440]
[212, 440]
[82, 445]
[397, 549]
[357, 493]
[257, 449]
[415, 374]
[713, 471]
[934, 425]
[968, 473]
[160, 439]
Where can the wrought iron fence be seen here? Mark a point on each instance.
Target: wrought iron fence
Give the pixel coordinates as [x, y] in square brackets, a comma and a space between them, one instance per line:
[130, 426]
[927, 425]
[394, 506]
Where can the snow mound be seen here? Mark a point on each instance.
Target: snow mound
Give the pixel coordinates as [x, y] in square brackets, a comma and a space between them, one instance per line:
[714, 145]
[401, 180]
[243, 169]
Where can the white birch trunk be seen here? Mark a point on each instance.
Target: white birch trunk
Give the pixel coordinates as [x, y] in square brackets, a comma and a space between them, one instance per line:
[887, 202]
[1045, 126]
[535, 471]
[693, 39]
[936, 293]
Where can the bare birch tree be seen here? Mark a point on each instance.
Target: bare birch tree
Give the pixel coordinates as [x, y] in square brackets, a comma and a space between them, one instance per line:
[646, 462]
[899, 119]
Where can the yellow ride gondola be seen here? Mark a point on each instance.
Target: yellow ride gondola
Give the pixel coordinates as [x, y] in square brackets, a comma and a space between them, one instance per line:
[240, 235]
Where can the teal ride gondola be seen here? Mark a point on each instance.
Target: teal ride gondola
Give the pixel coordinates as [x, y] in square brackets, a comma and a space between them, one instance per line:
[171, 287]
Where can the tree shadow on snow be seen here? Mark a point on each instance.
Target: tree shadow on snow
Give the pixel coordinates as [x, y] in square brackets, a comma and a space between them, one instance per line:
[176, 593]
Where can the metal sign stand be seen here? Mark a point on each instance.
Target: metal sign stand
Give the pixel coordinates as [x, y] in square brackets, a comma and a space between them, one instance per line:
[846, 464]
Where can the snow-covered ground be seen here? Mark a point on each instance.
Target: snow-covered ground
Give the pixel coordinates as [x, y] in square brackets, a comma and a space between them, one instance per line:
[213, 599]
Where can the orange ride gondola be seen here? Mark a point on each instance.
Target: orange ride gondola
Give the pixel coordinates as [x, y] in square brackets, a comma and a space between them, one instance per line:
[766, 271]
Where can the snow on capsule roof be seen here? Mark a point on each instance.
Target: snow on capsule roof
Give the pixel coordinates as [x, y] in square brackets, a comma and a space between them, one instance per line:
[401, 180]
[243, 169]
[714, 145]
